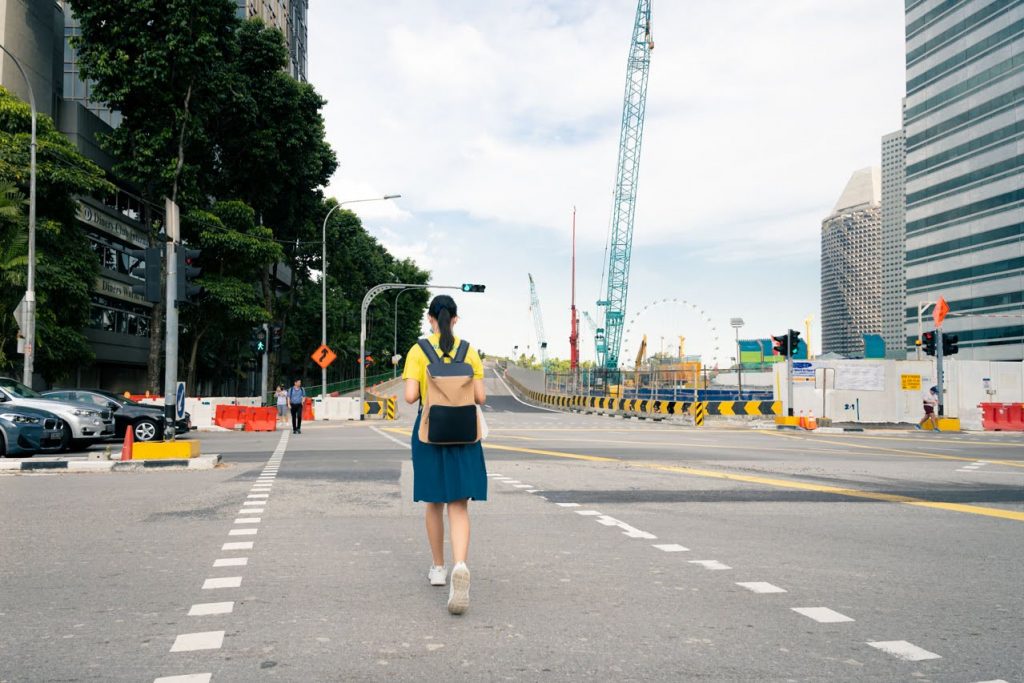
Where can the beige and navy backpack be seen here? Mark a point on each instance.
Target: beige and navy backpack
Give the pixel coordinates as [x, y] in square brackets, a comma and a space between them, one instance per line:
[449, 408]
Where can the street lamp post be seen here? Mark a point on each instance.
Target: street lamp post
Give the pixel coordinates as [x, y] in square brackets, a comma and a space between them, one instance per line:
[323, 283]
[29, 314]
[737, 323]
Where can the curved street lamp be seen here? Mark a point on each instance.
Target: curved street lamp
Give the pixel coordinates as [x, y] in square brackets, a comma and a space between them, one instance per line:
[29, 314]
[323, 282]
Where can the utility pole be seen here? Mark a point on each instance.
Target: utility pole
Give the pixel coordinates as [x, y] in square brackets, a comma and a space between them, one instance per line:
[265, 368]
[171, 219]
[938, 368]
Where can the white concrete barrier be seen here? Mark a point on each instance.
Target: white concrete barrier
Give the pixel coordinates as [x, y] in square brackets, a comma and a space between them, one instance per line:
[336, 408]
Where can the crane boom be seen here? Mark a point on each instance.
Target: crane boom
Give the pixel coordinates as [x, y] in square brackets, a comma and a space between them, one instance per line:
[620, 243]
[538, 323]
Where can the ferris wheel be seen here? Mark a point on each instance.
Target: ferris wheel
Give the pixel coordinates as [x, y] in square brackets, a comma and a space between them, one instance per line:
[669, 318]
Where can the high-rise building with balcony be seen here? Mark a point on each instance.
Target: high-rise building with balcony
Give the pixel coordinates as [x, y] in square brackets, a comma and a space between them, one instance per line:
[894, 219]
[964, 124]
[851, 266]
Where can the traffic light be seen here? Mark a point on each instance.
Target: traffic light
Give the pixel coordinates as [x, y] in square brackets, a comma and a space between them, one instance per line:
[794, 343]
[950, 344]
[473, 288]
[149, 261]
[258, 342]
[781, 344]
[928, 339]
[188, 271]
[276, 332]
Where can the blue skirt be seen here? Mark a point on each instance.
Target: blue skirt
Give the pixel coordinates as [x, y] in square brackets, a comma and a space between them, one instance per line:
[442, 474]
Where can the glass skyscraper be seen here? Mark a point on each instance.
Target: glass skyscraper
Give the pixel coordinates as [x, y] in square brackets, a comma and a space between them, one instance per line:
[964, 125]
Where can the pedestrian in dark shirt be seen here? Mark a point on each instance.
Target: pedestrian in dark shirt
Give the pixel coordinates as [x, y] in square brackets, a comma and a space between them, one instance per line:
[296, 399]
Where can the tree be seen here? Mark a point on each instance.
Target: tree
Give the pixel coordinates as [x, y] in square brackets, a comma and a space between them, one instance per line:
[66, 265]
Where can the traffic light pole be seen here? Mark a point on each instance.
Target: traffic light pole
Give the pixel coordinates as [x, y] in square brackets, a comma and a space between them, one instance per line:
[789, 376]
[265, 368]
[938, 367]
[171, 219]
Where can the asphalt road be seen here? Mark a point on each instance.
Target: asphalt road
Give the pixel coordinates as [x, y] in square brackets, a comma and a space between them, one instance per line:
[607, 550]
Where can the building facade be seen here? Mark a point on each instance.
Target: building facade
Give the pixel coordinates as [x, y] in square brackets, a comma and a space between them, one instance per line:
[290, 17]
[964, 123]
[894, 218]
[851, 266]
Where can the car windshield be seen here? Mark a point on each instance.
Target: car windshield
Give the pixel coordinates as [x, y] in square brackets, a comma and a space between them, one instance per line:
[117, 398]
[18, 389]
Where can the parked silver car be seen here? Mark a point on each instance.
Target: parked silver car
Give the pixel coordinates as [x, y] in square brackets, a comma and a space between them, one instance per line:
[81, 425]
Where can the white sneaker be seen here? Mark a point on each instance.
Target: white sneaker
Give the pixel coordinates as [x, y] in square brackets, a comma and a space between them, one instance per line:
[458, 594]
[438, 575]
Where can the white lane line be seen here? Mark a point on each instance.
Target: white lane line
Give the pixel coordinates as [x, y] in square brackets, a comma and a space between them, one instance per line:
[822, 615]
[760, 587]
[587, 513]
[901, 649]
[494, 475]
[203, 609]
[243, 532]
[207, 640]
[524, 486]
[627, 530]
[254, 502]
[250, 511]
[258, 495]
[403, 444]
[513, 395]
[187, 678]
[248, 520]
[997, 680]
[231, 562]
[511, 481]
[243, 545]
[671, 547]
[713, 565]
[222, 582]
[568, 505]
[534, 490]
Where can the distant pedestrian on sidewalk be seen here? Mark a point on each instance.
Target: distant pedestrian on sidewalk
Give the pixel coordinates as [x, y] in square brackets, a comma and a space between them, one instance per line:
[282, 403]
[296, 399]
[447, 474]
[931, 404]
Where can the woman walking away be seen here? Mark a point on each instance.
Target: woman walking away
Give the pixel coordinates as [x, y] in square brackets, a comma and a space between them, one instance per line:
[447, 458]
[282, 403]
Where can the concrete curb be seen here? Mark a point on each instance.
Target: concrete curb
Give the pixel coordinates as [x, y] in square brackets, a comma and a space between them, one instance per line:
[203, 462]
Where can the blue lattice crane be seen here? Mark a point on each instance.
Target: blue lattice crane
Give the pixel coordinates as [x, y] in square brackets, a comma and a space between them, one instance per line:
[620, 241]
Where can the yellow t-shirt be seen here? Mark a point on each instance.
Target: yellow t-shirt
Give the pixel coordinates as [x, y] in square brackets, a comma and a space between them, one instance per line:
[416, 362]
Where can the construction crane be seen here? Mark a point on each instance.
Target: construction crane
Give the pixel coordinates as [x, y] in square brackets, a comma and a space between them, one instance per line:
[538, 323]
[620, 240]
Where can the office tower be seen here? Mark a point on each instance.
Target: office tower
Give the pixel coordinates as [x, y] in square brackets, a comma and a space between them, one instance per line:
[894, 216]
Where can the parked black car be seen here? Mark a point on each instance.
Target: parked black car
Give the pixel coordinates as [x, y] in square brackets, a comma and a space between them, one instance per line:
[147, 421]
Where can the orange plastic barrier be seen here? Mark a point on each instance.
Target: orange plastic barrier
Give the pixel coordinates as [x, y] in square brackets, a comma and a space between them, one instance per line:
[1002, 417]
[261, 419]
[307, 410]
[228, 416]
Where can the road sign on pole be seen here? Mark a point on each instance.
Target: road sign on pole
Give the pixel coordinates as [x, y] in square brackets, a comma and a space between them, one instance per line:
[939, 314]
[323, 356]
[179, 401]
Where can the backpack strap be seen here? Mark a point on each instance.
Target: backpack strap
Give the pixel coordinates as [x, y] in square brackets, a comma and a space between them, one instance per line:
[460, 355]
[428, 349]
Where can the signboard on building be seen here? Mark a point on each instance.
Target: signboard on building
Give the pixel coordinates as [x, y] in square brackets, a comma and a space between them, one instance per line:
[109, 225]
[860, 377]
[119, 290]
[910, 382]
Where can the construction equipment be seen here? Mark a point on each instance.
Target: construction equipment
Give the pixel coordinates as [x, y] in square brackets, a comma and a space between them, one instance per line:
[620, 240]
[574, 319]
[538, 323]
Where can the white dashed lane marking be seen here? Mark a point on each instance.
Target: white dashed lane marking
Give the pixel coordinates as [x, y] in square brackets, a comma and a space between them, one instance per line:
[222, 582]
[822, 615]
[568, 505]
[238, 545]
[901, 649]
[187, 678]
[231, 562]
[711, 564]
[760, 587]
[207, 608]
[248, 520]
[588, 513]
[671, 547]
[207, 640]
[243, 532]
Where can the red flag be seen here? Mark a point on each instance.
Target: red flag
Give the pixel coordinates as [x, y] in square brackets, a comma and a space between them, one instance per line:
[939, 314]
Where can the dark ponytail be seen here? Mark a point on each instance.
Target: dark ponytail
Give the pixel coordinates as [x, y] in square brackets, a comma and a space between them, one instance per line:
[443, 309]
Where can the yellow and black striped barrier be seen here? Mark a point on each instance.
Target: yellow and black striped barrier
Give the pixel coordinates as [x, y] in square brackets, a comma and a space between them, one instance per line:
[386, 408]
[700, 411]
[651, 407]
[391, 409]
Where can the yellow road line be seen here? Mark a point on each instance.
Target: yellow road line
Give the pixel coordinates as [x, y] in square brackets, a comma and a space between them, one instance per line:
[819, 438]
[914, 436]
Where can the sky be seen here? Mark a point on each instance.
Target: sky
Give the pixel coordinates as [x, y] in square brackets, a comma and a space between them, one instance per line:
[495, 119]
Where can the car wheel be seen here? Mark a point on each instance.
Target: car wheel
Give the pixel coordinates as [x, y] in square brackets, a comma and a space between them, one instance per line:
[65, 438]
[145, 430]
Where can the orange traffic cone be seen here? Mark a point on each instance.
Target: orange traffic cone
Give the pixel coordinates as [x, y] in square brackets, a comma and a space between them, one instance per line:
[811, 422]
[129, 443]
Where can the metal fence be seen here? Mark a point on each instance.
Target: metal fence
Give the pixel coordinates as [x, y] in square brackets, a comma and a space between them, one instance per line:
[647, 385]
